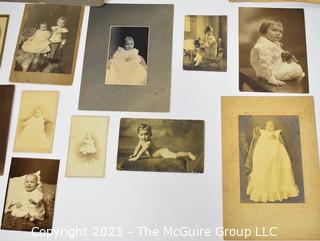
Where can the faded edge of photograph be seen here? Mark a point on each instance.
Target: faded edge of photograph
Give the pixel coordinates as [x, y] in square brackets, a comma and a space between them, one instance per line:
[161, 145]
[127, 56]
[205, 43]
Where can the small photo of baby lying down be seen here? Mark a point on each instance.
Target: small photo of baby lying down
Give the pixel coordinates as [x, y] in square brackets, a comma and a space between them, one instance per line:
[272, 46]
[161, 145]
[30, 196]
[127, 56]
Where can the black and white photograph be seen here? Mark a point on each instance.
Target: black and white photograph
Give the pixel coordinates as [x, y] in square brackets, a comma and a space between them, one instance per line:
[161, 145]
[127, 56]
[47, 45]
[4, 20]
[270, 159]
[273, 55]
[30, 196]
[205, 43]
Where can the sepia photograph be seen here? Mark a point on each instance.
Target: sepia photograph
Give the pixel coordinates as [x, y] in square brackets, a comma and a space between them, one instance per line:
[36, 122]
[4, 20]
[87, 146]
[128, 51]
[161, 145]
[127, 56]
[47, 46]
[270, 159]
[270, 166]
[205, 43]
[272, 50]
[6, 102]
[30, 197]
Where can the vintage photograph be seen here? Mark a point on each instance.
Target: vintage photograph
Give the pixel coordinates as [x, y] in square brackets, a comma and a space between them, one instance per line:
[47, 46]
[272, 50]
[30, 195]
[127, 56]
[270, 159]
[4, 20]
[87, 146]
[161, 145]
[270, 166]
[36, 122]
[205, 43]
[6, 101]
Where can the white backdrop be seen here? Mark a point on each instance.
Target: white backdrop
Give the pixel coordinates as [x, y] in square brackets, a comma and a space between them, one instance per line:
[156, 200]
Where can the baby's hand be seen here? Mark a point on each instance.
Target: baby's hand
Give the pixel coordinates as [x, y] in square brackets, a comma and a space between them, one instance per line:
[32, 201]
[277, 83]
[18, 205]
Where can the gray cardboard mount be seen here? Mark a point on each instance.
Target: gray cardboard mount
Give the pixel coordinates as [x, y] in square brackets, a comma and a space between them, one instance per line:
[69, 2]
[155, 96]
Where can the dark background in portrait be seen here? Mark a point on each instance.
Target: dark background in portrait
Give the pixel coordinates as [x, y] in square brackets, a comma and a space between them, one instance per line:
[48, 167]
[50, 13]
[139, 34]
[198, 24]
[155, 96]
[294, 38]
[290, 130]
[6, 99]
[176, 135]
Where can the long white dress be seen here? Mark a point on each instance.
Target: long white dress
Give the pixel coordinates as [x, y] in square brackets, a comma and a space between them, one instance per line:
[272, 177]
[125, 68]
[38, 43]
[266, 60]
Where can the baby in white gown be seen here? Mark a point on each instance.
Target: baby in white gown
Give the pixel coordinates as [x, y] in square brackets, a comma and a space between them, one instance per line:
[271, 178]
[25, 197]
[126, 67]
[39, 42]
[270, 61]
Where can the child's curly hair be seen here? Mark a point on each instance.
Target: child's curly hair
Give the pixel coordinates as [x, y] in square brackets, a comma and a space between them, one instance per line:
[267, 23]
[145, 127]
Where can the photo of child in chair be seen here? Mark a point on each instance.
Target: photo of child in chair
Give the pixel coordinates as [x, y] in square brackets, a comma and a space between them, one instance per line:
[205, 42]
[161, 145]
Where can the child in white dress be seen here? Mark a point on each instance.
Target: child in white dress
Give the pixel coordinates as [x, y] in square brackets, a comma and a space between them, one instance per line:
[146, 148]
[26, 200]
[271, 178]
[126, 67]
[33, 132]
[208, 47]
[269, 60]
[88, 149]
[39, 42]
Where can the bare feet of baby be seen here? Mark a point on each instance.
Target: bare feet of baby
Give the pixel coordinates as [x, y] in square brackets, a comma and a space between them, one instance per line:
[191, 156]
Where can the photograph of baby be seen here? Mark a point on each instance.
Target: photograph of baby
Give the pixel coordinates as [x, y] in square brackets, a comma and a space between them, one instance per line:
[161, 145]
[4, 20]
[272, 47]
[48, 42]
[270, 159]
[127, 56]
[36, 124]
[205, 43]
[87, 146]
[30, 196]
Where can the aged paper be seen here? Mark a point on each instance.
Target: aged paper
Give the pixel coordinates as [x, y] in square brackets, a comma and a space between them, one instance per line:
[299, 219]
[87, 146]
[47, 47]
[4, 19]
[36, 122]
